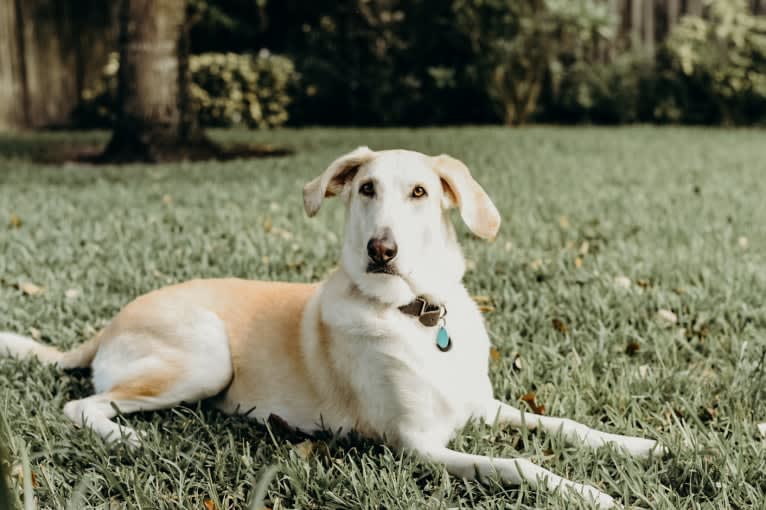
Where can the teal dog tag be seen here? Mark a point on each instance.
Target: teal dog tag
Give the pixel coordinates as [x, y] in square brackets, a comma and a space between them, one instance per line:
[443, 341]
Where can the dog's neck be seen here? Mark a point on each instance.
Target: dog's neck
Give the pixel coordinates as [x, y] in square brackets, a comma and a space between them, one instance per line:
[394, 291]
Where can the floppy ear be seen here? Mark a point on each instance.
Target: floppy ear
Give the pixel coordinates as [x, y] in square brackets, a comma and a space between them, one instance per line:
[332, 180]
[476, 208]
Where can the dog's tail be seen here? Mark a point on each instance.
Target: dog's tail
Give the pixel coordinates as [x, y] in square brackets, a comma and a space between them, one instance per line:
[23, 347]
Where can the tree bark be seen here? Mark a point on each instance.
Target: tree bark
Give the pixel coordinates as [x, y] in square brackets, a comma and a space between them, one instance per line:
[155, 122]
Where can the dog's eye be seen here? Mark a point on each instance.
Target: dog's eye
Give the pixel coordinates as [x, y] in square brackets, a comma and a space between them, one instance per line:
[418, 192]
[367, 189]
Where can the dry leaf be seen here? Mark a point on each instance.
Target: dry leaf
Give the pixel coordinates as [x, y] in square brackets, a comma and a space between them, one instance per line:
[560, 326]
[72, 293]
[762, 428]
[35, 333]
[679, 290]
[529, 398]
[30, 289]
[15, 221]
[632, 348]
[584, 247]
[578, 262]
[494, 354]
[209, 505]
[563, 222]
[644, 284]
[267, 224]
[667, 316]
[486, 308]
[622, 282]
[481, 299]
[305, 449]
[167, 199]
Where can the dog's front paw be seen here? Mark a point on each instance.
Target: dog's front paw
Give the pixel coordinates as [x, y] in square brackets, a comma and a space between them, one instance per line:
[601, 500]
[643, 448]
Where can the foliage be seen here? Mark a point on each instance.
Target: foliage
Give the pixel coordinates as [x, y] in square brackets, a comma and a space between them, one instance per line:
[614, 92]
[721, 58]
[227, 90]
[380, 62]
[522, 43]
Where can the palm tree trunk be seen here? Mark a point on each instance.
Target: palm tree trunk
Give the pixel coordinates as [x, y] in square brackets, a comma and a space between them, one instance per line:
[155, 122]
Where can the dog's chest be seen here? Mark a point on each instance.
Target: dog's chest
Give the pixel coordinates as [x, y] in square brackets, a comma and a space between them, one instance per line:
[403, 379]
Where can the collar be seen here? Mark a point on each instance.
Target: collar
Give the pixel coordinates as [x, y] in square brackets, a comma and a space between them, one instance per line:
[429, 314]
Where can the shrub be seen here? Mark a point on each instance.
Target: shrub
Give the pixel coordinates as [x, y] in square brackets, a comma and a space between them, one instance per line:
[227, 90]
[713, 69]
[521, 44]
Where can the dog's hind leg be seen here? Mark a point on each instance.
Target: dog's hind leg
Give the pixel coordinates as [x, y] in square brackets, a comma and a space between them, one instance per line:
[571, 431]
[185, 358]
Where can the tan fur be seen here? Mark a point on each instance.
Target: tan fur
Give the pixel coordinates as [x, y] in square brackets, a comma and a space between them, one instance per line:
[152, 385]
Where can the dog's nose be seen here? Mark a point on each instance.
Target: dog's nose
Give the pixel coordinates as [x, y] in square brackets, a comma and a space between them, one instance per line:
[381, 250]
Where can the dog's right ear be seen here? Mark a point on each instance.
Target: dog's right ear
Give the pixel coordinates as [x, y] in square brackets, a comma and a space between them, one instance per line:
[331, 182]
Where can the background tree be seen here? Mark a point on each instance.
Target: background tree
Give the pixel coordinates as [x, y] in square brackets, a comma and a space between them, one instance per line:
[155, 121]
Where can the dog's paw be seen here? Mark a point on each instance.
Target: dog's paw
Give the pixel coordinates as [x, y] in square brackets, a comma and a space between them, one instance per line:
[639, 447]
[600, 499]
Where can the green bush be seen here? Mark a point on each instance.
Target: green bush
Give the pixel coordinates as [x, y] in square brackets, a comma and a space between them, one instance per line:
[713, 69]
[523, 44]
[227, 90]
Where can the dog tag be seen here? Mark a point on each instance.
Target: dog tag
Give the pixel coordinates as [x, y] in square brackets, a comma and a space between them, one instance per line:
[443, 341]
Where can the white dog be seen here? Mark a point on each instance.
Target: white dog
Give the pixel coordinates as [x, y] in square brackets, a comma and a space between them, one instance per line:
[390, 345]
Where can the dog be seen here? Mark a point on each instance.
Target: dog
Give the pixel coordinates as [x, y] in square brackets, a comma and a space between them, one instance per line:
[390, 345]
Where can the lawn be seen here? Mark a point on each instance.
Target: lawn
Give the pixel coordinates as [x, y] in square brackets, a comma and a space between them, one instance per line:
[679, 212]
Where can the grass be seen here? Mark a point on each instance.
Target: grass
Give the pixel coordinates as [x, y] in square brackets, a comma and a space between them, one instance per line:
[681, 212]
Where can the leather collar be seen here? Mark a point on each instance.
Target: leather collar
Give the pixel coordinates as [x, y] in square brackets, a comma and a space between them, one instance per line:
[427, 313]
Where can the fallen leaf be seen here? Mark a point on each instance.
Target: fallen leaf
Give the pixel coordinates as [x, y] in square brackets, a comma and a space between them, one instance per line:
[209, 505]
[560, 326]
[584, 248]
[632, 348]
[679, 290]
[486, 308]
[35, 333]
[563, 222]
[305, 449]
[15, 221]
[644, 284]
[267, 224]
[72, 293]
[30, 289]
[667, 316]
[529, 398]
[622, 282]
[494, 354]
[482, 299]
[578, 262]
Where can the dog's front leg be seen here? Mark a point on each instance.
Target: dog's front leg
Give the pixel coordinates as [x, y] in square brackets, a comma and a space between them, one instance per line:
[513, 471]
[571, 431]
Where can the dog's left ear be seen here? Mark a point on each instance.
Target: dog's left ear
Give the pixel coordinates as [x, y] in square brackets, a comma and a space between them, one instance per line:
[476, 208]
[332, 180]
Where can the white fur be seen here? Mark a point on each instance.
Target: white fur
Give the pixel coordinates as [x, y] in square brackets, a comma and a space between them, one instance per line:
[359, 363]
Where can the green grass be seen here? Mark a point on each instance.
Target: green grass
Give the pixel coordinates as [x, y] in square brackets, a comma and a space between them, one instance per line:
[664, 206]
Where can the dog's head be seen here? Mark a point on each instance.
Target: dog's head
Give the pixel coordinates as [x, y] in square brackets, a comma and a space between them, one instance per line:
[399, 240]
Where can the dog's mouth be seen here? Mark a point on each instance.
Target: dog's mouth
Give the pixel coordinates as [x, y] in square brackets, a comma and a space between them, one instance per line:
[388, 269]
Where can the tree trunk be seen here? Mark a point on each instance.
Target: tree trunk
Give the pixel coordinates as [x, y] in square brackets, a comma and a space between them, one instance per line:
[155, 122]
